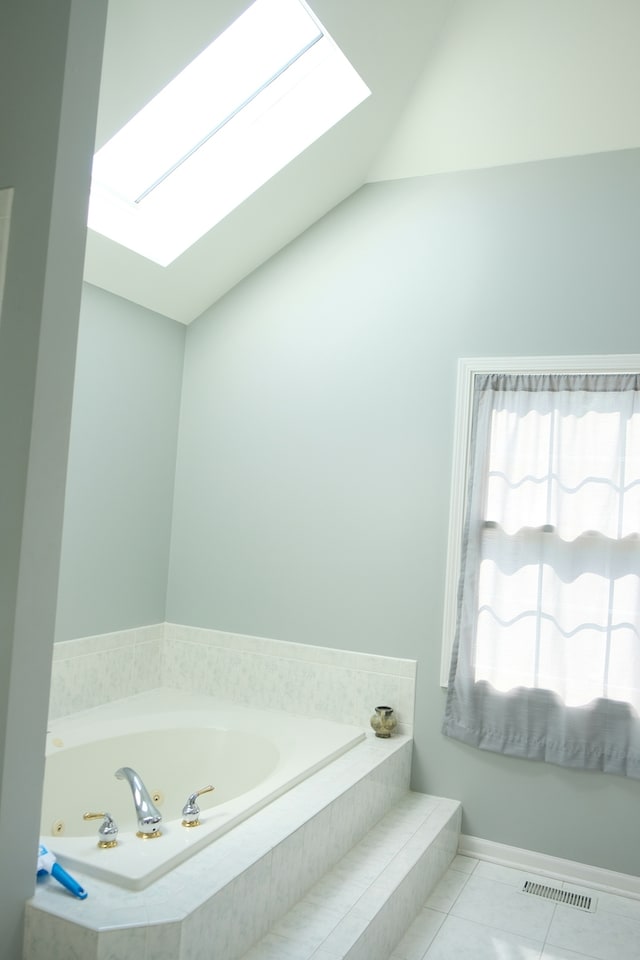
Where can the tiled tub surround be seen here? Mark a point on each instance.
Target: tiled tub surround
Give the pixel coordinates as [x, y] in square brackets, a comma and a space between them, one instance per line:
[273, 674]
[94, 670]
[229, 895]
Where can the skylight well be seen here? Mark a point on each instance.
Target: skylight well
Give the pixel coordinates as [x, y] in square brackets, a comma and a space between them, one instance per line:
[251, 102]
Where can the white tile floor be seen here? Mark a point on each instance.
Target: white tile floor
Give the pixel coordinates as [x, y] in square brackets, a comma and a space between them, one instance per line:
[478, 912]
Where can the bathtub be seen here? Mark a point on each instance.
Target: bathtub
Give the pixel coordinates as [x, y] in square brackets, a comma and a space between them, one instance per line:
[178, 743]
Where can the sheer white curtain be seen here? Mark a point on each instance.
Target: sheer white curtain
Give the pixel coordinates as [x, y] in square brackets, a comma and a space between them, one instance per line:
[546, 662]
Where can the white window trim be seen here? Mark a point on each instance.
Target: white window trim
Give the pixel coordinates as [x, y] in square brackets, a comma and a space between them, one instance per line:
[468, 367]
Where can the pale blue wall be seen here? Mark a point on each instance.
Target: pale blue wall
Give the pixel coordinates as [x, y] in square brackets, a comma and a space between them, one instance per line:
[314, 448]
[119, 497]
[313, 473]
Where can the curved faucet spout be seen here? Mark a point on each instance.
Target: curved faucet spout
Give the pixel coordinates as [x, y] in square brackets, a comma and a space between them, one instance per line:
[148, 815]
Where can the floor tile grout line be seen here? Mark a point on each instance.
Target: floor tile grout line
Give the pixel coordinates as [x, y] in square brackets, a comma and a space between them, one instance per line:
[459, 893]
[487, 926]
[546, 936]
[544, 943]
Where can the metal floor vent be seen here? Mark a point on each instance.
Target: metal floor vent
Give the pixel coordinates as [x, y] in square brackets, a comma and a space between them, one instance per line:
[578, 900]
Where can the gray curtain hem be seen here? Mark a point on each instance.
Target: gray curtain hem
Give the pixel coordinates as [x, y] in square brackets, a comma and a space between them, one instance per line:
[585, 756]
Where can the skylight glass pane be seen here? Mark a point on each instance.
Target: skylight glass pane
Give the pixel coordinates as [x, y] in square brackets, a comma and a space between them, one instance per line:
[252, 101]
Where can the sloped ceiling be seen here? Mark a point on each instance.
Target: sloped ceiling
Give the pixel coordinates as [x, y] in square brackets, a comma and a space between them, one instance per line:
[149, 41]
[515, 81]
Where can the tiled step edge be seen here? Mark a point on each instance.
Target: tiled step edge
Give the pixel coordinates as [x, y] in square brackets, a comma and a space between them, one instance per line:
[363, 906]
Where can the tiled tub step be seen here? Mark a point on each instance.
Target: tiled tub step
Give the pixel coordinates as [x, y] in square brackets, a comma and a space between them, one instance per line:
[220, 902]
[362, 907]
[350, 846]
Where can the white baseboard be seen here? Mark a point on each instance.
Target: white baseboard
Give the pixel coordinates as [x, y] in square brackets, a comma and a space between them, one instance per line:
[622, 884]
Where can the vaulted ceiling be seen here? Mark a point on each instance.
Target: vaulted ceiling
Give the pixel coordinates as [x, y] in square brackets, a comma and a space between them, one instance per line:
[456, 85]
[149, 41]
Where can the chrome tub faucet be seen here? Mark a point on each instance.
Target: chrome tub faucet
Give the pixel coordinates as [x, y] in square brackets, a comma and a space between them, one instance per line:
[148, 815]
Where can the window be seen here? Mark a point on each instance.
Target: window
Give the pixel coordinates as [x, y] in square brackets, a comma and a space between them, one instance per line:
[252, 101]
[546, 661]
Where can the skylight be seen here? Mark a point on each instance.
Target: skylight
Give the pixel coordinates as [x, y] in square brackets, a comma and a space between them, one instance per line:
[260, 94]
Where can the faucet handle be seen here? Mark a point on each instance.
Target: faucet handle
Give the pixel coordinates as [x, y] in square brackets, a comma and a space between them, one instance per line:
[108, 830]
[191, 810]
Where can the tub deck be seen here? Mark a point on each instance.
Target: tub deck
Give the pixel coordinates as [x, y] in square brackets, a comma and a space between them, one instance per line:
[178, 742]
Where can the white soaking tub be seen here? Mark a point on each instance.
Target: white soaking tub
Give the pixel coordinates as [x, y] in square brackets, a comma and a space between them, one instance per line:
[177, 743]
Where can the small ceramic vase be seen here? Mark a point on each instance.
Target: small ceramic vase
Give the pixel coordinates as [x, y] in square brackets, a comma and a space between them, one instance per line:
[384, 721]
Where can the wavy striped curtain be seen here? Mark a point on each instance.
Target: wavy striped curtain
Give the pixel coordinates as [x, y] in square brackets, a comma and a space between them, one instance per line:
[546, 660]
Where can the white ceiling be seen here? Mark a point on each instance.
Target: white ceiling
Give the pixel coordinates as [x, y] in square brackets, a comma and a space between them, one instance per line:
[150, 41]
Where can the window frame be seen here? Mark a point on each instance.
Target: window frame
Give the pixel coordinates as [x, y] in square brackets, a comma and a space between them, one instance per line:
[468, 368]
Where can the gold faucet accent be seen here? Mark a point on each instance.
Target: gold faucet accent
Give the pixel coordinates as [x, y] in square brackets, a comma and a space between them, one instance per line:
[191, 810]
